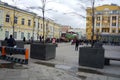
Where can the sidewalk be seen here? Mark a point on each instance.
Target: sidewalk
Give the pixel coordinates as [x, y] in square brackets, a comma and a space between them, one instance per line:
[63, 67]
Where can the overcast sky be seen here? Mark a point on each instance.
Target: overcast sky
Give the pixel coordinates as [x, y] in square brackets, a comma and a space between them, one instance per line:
[65, 12]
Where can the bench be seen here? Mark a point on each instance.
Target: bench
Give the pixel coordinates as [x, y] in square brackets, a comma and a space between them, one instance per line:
[107, 60]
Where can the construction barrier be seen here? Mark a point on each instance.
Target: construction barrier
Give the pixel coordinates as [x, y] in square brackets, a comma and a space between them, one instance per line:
[7, 50]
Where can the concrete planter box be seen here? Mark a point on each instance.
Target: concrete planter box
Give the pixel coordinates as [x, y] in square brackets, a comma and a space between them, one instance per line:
[43, 51]
[91, 57]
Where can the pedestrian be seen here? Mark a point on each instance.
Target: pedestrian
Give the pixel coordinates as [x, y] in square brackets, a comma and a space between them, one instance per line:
[11, 42]
[40, 39]
[24, 39]
[53, 40]
[5, 39]
[76, 44]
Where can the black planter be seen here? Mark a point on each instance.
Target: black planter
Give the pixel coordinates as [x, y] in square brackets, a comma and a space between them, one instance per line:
[43, 51]
[91, 57]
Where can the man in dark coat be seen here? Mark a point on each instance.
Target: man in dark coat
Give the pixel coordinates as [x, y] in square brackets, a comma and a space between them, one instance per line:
[76, 44]
[11, 41]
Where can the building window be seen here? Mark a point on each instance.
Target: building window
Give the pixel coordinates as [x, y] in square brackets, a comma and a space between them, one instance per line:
[103, 30]
[98, 24]
[113, 17]
[15, 35]
[97, 31]
[34, 24]
[113, 24]
[114, 12]
[23, 21]
[118, 31]
[7, 18]
[99, 13]
[98, 18]
[29, 22]
[119, 18]
[113, 31]
[118, 24]
[22, 35]
[28, 36]
[7, 34]
[38, 25]
[15, 19]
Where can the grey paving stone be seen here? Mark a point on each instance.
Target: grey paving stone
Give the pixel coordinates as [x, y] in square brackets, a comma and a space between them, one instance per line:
[113, 78]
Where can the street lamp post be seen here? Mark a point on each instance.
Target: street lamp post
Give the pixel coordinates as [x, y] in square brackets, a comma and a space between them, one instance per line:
[13, 21]
[43, 12]
[93, 16]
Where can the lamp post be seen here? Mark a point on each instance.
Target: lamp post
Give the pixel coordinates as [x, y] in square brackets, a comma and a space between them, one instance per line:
[13, 24]
[43, 12]
[93, 16]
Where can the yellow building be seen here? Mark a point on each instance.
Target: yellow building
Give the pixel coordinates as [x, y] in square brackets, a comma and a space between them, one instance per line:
[24, 24]
[106, 23]
[16, 20]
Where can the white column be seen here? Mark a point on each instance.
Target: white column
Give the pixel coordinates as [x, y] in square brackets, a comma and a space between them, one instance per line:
[110, 24]
[117, 24]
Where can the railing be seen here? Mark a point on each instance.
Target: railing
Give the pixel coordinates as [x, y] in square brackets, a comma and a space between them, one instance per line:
[7, 50]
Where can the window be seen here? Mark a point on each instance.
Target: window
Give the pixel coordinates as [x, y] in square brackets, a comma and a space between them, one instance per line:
[34, 24]
[119, 18]
[15, 35]
[103, 30]
[113, 31]
[23, 21]
[98, 24]
[114, 12]
[38, 25]
[7, 34]
[15, 19]
[98, 18]
[28, 36]
[118, 31]
[113, 17]
[99, 13]
[22, 35]
[97, 30]
[118, 24]
[29, 22]
[7, 18]
[113, 24]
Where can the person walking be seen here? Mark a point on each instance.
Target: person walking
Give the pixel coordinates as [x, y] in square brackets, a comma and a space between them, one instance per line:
[11, 42]
[76, 44]
[24, 39]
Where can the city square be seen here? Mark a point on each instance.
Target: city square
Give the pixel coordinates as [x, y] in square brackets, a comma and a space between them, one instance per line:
[59, 40]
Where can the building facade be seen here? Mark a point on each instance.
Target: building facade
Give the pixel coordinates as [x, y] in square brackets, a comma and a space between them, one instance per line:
[24, 24]
[106, 23]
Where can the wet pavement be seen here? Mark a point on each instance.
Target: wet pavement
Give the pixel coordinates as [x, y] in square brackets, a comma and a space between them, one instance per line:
[63, 67]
